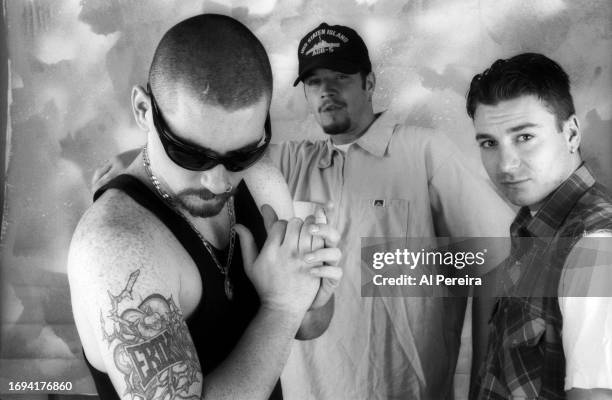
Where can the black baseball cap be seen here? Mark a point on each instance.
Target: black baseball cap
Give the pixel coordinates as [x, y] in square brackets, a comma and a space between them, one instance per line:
[335, 47]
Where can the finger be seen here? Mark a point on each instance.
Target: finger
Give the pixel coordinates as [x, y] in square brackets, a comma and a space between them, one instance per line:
[106, 166]
[317, 243]
[332, 274]
[277, 232]
[328, 255]
[269, 216]
[329, 234]
[305, 241]
[292, 235]
[101, 182]
[99, 173]
[247, 245]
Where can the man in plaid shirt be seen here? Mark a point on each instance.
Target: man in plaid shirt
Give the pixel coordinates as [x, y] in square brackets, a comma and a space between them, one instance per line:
[550, 335]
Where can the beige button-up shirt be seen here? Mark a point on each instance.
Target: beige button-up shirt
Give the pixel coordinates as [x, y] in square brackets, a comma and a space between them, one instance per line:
[394, 181]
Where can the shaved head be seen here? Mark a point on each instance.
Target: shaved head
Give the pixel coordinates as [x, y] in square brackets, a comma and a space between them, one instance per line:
[214, 58]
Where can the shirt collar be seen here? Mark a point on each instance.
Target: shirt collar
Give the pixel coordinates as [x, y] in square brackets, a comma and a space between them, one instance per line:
[555, 209]
[375, 140]
[327, 155]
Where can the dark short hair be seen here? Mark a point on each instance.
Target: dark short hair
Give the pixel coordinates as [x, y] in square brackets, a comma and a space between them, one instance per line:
[524, 74]
[216, 58]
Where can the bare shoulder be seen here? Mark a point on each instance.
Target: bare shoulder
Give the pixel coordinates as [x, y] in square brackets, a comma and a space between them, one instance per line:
[113, 227]
[110, 220]
[116, 235]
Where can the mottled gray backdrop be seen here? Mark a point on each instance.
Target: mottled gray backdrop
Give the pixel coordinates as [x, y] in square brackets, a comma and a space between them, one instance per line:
[72, 64]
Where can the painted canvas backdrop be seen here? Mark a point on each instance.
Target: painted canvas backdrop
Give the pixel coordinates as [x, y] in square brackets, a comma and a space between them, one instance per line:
[73, 62]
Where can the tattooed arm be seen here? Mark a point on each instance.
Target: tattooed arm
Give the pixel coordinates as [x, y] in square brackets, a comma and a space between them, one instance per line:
[128, 306]
[132, 285]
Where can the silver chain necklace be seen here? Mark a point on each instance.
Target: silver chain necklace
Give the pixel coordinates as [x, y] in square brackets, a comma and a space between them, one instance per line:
[229, 287]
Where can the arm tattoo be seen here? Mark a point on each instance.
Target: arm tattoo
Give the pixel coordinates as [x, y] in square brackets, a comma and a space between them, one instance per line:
[152, 347]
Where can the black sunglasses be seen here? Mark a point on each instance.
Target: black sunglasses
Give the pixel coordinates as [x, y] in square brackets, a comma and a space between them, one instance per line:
[196, 158]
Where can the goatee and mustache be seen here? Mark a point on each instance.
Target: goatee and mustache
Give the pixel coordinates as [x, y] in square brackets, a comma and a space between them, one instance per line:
[202, 202]
[341, 123]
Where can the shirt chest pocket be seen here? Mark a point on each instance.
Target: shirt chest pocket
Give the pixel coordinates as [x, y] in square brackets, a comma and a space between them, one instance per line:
[383, 217]
[520, 323]
[526, 334]
[524, 343]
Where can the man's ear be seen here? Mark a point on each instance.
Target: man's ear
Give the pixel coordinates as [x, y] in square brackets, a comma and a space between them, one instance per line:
[572, 132]
[141, 105]
[370, 84]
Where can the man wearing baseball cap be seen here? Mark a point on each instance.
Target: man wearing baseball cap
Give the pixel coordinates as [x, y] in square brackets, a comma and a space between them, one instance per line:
[385, 178]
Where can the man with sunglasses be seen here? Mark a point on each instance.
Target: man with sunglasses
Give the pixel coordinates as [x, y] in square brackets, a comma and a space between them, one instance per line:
[167, 303]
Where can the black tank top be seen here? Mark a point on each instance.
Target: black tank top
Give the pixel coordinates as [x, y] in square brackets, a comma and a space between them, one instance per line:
[217, 323]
